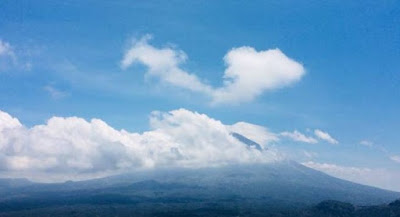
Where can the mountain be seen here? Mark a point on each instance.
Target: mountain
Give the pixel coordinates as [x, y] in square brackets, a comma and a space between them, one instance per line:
[254, 189]
[282, 188]
[247, 141]
[10, 183]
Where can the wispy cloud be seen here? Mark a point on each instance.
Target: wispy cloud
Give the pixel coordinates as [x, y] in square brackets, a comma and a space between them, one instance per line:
[369, 176]
[11, 58]
[377, 147]
[325, 136]
[395, 158]
[310, 154]
[54, 92]
[299, 137]
[7, 54]
[249, 73]
[381, 149]
[366, 143]
[5, 49]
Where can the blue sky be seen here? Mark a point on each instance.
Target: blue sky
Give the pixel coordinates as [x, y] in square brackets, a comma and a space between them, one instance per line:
[64, 60]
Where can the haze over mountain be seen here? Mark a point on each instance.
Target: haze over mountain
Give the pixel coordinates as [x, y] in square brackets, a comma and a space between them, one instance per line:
[251, 188]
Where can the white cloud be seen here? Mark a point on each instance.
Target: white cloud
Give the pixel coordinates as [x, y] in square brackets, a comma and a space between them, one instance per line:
[310, 154]
[164, 64]
[366, 143]
[374, 146]
[325, 136]
[395, 158]
[257, 133]
[7, 121]
[382, 178]
[299, 137]
[249, 73]
[54, 92]
[5, 49]
[11, 58]
[73, 148]
[7, 55]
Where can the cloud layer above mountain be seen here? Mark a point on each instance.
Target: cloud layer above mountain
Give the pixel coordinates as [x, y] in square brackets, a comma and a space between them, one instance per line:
[73, 148]
[248, 72]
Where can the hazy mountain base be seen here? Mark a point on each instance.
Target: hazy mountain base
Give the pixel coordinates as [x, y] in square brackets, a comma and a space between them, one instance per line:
[286, 181]
[279, 189]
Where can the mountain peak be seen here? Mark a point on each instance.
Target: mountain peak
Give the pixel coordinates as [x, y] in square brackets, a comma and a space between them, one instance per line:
[250, 143]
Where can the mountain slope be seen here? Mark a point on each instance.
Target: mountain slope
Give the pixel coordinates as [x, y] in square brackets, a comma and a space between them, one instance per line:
[284, 181]
[254, 189]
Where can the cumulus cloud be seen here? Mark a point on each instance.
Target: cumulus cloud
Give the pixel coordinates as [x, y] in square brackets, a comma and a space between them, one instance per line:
[248, 72]
[74, 148]
[382, 178]
[325, 136]
[299, 137]
[257, 133]
[163, 63]
[7, 121]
